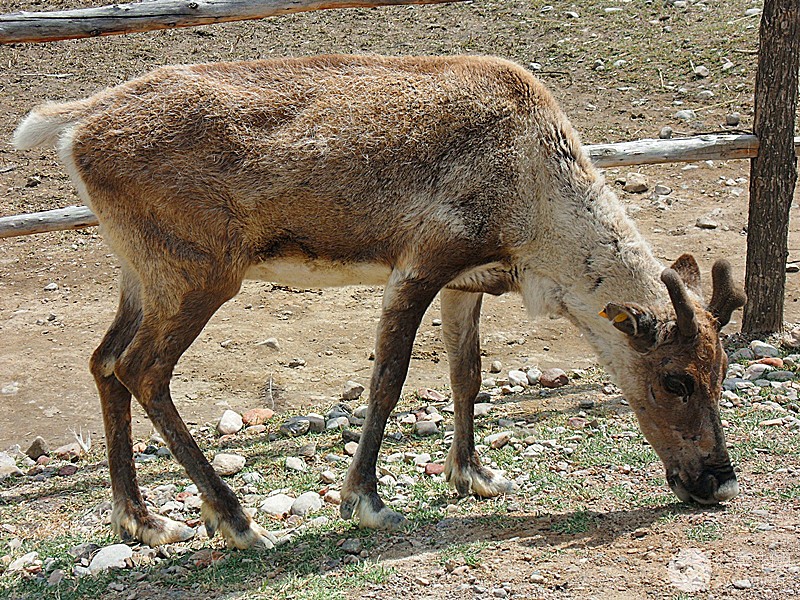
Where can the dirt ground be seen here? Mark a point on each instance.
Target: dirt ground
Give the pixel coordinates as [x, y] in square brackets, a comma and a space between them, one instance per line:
[46, 337]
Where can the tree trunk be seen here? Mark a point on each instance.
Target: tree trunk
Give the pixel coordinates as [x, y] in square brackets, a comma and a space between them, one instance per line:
[773, 172]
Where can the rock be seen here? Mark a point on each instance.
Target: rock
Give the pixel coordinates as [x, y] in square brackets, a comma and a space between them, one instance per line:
[307, 450]
[780, 376]
[55, 577]
[337, 423]
[271, 343]
[733, 119]
[230, 422]
[481, 409]
[333, 497]
[51, 287]
[83, 551]
[705, 95]
[327, 476]
[296, 426]
[792, 338]
[742, 584]
[352, 390]
[635, 183]
[296, 363]
[109, 557]
[8, 466]
[586, 403]
[762, 349]
[498, 440]
[67, 470]
[665, 133]
[662, 190]
[257, 416]
[316, 423]
[741, 354]
[361, 412]
[293, 463]
[429, 395]
[434, 469]
[690, 570]
[706, 223]
[495, 367]
[553, 378]
[228, 464]
[352, 546]
[350, 448]
[69, 451]
[686, 115]
[277, 505]
[38, 447]
[426, 428]
[752, 12]
[22, 562]
[701, 71]
[306, 504]
[518, 378]
[533, 374]
[348, 435]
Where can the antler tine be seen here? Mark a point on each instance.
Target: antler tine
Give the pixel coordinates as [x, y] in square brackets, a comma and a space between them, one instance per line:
[684, 311]
[726, 297]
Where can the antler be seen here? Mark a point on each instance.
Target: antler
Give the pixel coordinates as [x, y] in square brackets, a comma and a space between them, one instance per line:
[687, 324]
[726, 297]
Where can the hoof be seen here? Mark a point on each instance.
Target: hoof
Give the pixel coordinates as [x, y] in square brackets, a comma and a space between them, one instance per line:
[251, 536]
[153, 530]
[477, 479]
[371, 513]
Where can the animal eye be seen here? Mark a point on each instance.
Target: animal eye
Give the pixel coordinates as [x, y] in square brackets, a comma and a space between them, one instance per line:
[681, 385]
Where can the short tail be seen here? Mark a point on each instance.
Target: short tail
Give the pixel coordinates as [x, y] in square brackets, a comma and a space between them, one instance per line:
[46, 124]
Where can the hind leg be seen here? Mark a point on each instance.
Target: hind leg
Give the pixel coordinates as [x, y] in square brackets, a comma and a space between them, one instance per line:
[461, 313]
[129, 517]
[170, 323]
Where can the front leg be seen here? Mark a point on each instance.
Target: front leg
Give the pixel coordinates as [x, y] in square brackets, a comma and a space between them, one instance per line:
[461, 312]
[405, 301]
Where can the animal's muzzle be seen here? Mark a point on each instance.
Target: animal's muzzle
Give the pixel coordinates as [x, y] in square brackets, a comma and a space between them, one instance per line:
[711, 487]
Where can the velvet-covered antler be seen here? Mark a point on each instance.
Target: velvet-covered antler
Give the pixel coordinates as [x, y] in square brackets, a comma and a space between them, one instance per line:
[726, 296]
[684, 311]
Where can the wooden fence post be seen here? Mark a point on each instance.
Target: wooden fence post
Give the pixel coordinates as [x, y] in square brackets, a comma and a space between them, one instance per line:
[773, 172]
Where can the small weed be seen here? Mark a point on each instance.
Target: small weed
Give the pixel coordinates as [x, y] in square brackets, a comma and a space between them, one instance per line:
[705, 532]
[577, 522]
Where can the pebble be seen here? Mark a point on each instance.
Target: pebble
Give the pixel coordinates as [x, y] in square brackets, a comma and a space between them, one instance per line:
[665, 133]
[293, 463]
[742, 584]
[553, 378]
[67, 470]
[481, 409]
[733, 119]
[352, 390]
[741, 354]
[705, 95]
[426, 428]
[337, 423]
[635, 183]
[352, 546]
[316, 423]
[51, 287]
[518, 378]
[8, 466]
[690, 570]
[277, 505]
[307, 450]
[586, 403]
[498, 440]
[257, 416]
[706, 223]
[296, 362]
[762, 349]
[228, 464]
[686, 115]
[701, 71]
[306, 503]
[230, 422]
[361, 412]
[271, 343]
[68, 451]
[434, 469]
[115, 555]
[533, 374]
[350, 448]
[38, 447]
[752, 12]
[333, 497]
[495, 367]
[22, 562]
[55, 577]
[662, 190]
[296, 426]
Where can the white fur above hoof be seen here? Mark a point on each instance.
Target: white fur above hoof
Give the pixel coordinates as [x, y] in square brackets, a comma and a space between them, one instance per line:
[153, 530]
[371, 513]
[255, 536]
[483, 482]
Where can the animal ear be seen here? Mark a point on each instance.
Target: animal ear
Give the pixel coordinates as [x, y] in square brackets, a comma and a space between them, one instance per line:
[686, 267]
[638, 323]
[727, 296]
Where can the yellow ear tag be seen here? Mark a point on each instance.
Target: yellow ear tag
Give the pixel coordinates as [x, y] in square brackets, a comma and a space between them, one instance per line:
[603, 314]
[620, 318]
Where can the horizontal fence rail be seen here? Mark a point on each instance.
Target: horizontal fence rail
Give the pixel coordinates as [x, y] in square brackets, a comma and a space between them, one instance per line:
[118, 19]
[641, 152]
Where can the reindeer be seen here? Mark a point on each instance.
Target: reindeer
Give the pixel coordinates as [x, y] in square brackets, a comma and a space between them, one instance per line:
[427, 175]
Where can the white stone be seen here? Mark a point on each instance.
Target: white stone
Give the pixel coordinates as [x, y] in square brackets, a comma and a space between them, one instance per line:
[518, 378]
[115, 555]
[294, 463]
[228, 464]
[230, 422]
[635, 183]
[426, 428]
[498, 440]
[277, 505]
[763, 350]
[306, 503]
[482, 409]
[352, 390]
[23, 561]
[533, 375]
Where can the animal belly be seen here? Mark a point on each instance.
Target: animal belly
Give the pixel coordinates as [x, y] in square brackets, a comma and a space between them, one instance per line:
[318, 274]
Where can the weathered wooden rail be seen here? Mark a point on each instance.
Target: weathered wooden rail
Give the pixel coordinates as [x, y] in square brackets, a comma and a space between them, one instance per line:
[118, 19]
[641, 152]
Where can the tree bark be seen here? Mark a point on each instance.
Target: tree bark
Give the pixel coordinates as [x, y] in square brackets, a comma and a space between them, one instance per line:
[773, 173]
